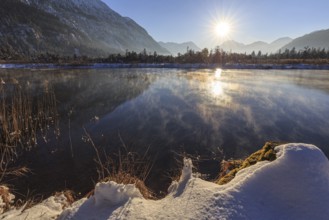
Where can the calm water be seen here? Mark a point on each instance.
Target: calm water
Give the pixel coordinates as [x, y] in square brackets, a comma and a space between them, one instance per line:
[209, 114]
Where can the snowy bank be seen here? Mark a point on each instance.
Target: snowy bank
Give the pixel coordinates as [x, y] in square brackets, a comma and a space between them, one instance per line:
[294, 186]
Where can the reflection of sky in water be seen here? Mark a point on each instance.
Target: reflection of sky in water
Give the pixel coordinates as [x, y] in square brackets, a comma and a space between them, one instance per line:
[237, 110]
[234, 110]
[171, 110]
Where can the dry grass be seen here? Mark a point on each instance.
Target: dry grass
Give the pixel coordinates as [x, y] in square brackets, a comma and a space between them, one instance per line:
[125, 167]
[126, 178]
[69, 196]
[28, 201]
[231, 167]
[6, 198]
[14, 171]
[22, 117]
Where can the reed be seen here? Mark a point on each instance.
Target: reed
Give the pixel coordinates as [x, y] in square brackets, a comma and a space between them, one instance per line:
[24, 115]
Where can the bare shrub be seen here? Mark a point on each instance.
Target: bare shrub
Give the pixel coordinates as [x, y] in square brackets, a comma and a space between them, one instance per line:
[125, 167]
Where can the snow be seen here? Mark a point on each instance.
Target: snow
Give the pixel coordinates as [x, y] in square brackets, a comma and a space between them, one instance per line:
[48, 209]
[294, 186]
[107, 197]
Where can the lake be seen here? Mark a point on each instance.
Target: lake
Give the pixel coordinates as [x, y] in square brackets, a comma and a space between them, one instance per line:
[206, 114]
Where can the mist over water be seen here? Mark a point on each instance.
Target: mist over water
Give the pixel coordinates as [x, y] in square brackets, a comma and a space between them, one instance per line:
[206, 113]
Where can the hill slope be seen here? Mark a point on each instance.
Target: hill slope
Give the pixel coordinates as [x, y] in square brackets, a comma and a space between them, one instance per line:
[316, 39]
[175, 48]
[264, 47]
[87, 27]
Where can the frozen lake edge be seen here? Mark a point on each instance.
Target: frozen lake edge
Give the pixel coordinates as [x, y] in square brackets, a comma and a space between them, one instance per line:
[162, 65]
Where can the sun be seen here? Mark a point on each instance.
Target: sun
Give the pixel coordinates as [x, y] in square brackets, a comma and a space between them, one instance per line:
[222, 26]
[222, 29]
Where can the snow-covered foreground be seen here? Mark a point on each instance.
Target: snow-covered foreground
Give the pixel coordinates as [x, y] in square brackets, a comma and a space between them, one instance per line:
[294, 186]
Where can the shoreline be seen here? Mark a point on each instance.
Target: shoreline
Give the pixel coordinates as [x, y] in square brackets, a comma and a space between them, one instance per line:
[164, 66]
[271, 179]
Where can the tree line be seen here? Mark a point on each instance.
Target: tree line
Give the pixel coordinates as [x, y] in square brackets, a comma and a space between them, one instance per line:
[205, 56]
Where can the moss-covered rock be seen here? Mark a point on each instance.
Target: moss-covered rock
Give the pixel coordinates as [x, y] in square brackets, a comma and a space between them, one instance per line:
[231, 167]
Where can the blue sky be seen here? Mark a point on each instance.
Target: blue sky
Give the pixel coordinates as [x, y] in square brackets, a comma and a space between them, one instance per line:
[252, 20]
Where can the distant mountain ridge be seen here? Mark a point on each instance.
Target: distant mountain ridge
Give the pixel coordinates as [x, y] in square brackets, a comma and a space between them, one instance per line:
[316, 39]
[182, 48]
[66, 27]
[264, 47]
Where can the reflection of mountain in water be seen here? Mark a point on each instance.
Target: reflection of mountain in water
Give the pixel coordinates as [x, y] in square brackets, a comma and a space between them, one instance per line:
[92, 93]
[81, 95]
[317, 81]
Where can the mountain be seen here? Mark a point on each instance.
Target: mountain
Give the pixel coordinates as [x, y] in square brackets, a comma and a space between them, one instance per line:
[233, 46]
[67, 27]
[257, 46]
[175, 48]
[316, 39]
[264, 47]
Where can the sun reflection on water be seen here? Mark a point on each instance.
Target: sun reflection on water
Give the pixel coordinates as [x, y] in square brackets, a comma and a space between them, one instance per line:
[216, 85]
[218, 73]
[217, 88]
